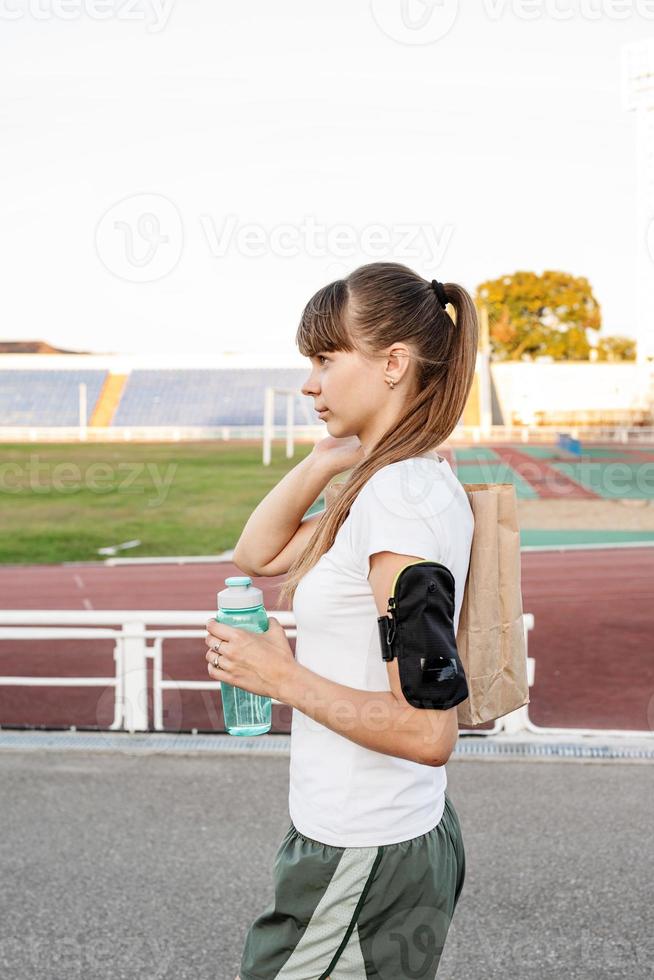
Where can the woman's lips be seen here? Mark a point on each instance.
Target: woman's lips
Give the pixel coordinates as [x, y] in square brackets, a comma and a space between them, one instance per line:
[324, 412]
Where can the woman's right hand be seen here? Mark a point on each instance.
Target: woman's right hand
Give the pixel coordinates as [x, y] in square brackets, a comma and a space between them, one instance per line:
[338, 454]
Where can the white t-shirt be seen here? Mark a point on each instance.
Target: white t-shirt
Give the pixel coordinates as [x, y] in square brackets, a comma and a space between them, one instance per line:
[342, 793]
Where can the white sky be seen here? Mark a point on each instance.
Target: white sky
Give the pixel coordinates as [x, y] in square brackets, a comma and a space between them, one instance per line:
[503, 145]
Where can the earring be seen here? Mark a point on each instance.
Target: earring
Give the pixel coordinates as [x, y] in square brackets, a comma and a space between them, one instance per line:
[391, 382]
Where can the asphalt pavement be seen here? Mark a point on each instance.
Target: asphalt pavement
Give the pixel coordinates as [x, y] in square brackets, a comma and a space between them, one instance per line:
[151, 867]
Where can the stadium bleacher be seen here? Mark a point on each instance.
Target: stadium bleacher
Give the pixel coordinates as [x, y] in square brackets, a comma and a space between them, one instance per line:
[46, 398]
[209, 397]
[193, 397]
[123, 395]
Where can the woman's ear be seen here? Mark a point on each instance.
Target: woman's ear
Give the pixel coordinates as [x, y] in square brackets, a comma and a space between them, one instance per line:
[397, 361]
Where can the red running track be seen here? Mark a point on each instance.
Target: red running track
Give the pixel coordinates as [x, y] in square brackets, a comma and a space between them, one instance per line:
[592, 639]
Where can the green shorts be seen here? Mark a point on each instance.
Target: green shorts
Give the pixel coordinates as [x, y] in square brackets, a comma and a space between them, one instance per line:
[354, 913]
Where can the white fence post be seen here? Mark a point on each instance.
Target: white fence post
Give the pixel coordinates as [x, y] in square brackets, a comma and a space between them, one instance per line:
[134, 687]
[518, 721]
[131, 654]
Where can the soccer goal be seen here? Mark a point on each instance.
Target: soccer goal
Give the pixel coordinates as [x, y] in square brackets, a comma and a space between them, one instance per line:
[269, 420]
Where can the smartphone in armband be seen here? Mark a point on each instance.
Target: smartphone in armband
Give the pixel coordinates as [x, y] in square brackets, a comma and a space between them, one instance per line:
[419, 633]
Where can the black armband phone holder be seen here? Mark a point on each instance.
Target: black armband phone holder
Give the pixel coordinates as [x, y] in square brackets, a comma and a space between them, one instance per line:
[420, 633]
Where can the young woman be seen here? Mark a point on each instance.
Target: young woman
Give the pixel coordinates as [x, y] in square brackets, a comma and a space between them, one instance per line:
[369, 873]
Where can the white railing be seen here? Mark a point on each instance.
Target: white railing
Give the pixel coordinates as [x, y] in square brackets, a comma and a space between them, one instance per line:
[135, 642]
[622, 435]
[131, 652]
[462, 435]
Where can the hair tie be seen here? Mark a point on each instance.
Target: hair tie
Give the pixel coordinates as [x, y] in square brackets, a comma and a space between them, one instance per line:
[439, 289]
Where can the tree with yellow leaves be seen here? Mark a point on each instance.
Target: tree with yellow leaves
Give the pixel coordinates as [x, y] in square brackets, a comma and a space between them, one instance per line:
[547, 315]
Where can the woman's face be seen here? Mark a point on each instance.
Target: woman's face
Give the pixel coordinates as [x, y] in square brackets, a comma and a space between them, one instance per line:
[352, 389]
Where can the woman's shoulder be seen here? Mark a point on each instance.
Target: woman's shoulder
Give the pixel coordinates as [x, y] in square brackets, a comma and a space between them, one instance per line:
[415, 486]
[424, 470]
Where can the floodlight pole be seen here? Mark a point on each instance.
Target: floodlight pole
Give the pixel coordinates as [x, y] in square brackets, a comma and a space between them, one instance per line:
[638, 97]
[484, 374]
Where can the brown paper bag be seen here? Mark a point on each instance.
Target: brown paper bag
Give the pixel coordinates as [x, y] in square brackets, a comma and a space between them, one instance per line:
[490, 637]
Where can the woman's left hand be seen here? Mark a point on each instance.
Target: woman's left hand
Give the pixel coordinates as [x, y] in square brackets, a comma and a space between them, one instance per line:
[261, 663]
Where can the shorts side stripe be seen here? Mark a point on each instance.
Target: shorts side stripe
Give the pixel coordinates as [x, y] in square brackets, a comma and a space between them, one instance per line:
[353, 923]
[351, 964]
[334, 916]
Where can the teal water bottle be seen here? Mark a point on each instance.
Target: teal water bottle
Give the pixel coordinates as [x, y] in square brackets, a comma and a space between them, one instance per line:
[241, 605]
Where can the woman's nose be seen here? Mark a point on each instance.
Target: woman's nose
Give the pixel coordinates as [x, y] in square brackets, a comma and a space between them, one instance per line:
[310, 386]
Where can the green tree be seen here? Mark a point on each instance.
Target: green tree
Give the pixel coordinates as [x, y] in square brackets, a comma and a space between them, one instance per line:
[532, 316]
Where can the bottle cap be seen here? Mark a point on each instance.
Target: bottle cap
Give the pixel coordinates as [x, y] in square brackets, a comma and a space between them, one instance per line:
[239, 594]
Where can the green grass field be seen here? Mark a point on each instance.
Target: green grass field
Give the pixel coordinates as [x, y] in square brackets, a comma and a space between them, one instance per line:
[63, 501]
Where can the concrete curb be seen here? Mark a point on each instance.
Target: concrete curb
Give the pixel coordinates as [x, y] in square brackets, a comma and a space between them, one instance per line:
[579, 748]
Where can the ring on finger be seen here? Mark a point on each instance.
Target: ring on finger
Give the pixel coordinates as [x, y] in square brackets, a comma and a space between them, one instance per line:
[216, 647]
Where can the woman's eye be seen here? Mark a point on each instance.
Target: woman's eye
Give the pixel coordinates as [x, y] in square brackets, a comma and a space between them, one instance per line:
[321, 357]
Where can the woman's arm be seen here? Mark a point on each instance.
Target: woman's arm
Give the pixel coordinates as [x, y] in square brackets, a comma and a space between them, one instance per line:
[276, 519]
[374, 719]
[379, 720]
